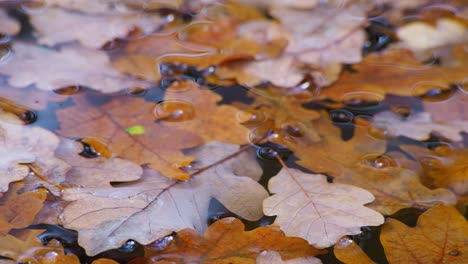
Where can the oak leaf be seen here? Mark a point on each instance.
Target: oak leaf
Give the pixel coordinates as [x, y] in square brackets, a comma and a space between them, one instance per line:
[55, 25]
[9, 25]
[348, 252]
[273, 257]
[418, 126]
[106, 217]
[95, 172]
[112, 123]
[211, 121]
[71, 66]
[439, 237]
[394, 188]
[21, 146]
[393, 71]
[307, 206]
[443, 167]
[225, 241]
[13, 212]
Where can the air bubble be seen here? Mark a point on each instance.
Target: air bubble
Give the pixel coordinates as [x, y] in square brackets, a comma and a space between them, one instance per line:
[69, 90]
[248, 118]
[28, 117]
[344, 242]
[293, 129]
[174, 111]
[94, 148]
[431, 163]
[362, 100]
[137, 91]
[379, 161]
[433, 92]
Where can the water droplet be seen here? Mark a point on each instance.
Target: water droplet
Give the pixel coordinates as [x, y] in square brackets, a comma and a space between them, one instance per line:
[69, 90]
[377, 132]
[403, 111]
[366, 233]
[379, 161]
[28, 117]
[362, 100]
[93, 148]
[454, 252]
[249, 118]
[341, 116]
[5, 52]
[267, 153]
[344, 242]
[293, 129]
[174, 111]
[128, 247]
[433, 92]
[137, 91]
[161, 243]
[112, 45]
[431, 163]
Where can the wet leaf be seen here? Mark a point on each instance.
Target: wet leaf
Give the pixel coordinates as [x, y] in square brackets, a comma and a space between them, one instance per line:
[159, 146]
[95, 172]
[15, 214]
[155, 206]
[395, 188]
[393, 71]
[9, 25]
[226, 242]
[443, 167]
[70, 66]
[349, 252]
[54, 26]
[273, 257]
[418, 126]
[200, 111]
[439, 237]
[320, 212]
[23, 145]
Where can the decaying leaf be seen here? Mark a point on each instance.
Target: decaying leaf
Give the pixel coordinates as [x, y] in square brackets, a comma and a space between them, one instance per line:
[9, 25]
[96, 172]
[22, 145]
[226, 242]
[418, 126]
[54, 25]
[307, 206]
[394, 188]
[348, 252]
[443, 167]
[155, 206]
[71, 66]
[439, 237]
[14, 213]
[130, 132]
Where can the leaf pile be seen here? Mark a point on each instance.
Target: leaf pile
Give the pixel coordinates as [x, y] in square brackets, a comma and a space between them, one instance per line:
[222, 131]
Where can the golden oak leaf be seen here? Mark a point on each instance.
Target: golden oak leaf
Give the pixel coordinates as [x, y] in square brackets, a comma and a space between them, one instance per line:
[273, 257]
[320, 212]
[393, 71]
[126, 124]
[13, 213]
[349, 252]
[394, 188]
[199, 110]
[439, 237]
[225, 241]
[443, 167]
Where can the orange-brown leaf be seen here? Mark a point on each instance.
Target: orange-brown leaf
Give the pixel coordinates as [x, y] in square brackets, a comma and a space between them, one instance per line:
[349, 252]
[439, 237]
[153, 144]
[14, 213]
[226, 242]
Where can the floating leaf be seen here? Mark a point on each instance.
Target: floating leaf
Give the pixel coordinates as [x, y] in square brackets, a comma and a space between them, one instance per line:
[439, 237]
[348, 252]
[307, 206]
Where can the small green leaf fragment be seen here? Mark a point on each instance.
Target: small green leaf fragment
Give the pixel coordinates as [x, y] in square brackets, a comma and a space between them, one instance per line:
[136, 130]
